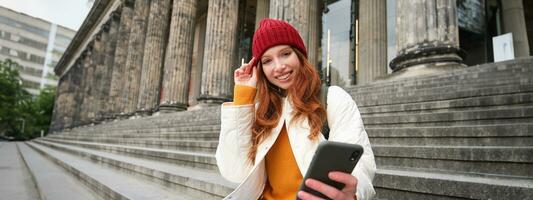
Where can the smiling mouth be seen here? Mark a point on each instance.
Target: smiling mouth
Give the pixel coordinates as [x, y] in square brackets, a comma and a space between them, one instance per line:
[284, 77]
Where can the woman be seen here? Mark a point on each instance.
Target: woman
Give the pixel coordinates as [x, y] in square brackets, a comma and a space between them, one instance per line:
[267, 141]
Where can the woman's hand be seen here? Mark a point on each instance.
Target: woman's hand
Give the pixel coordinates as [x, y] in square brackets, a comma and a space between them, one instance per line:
[246, 74]
[348, 192]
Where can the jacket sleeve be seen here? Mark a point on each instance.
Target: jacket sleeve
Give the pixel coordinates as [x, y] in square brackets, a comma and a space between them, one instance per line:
[234, 141]
[346, 125]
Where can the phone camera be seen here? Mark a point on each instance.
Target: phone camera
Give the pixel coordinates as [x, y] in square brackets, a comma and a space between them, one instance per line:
[354, 156]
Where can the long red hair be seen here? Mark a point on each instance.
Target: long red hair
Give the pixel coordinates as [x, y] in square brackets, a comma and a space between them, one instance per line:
[304, 95]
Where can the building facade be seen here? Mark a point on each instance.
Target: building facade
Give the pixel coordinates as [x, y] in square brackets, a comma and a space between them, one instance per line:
[35, 44]
[140, 57]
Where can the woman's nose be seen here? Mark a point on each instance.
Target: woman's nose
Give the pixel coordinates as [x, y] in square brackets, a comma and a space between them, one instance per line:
[279, 66]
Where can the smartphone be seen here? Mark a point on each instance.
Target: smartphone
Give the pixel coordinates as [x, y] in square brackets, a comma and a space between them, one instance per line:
[331, 156]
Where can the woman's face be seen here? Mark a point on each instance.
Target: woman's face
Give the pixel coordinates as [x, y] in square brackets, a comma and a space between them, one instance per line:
[280, 65]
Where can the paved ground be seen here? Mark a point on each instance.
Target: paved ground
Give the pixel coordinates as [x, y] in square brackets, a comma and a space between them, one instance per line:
[15, 181]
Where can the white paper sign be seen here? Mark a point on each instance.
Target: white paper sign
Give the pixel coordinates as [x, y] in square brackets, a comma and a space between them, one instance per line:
[503, 47]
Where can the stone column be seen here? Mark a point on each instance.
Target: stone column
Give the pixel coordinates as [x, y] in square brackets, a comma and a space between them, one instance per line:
[296, 12]
[76, 75]
[219, 54]
[109, 58]
[514, 22]
[64, 92]
[178, 57]
[58, 112]
[195, 80]
[315, 15]
[97, 66]
[88, 73]
[65, 101]
[79, 64]
[373, 40]
[261, 11]
[154, 50]
[427, 36]
[53, 123]
[119, 64]
[99, 57]
[130, 94]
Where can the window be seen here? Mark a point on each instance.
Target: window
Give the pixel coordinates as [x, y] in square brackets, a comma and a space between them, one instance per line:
[36, 59]
[338, 22]
[30, 84]
[5, 35]
[32, 43]
[62, 40]
[24, 26]
[5, 50]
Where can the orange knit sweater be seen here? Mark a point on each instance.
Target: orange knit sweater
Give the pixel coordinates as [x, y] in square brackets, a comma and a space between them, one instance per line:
[283, 174]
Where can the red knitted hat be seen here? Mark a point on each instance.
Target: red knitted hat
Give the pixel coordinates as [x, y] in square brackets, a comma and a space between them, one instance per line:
[272, 32]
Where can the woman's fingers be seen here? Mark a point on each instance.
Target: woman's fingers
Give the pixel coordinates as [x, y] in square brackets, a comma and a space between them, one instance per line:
[350, 181]
[323, 188]
[306, 196]
[246, 74]
[245, 69]
[249, 65]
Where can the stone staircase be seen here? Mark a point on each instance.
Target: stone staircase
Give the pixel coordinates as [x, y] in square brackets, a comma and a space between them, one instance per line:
[466, 134]
[174, 152]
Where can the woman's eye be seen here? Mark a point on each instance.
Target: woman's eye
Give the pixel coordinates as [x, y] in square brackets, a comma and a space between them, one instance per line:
[265, 62]
[287, 53]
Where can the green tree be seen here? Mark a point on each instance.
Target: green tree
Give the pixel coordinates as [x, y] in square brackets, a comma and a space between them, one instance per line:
[43, 106]
[21, 115]
[11, 97]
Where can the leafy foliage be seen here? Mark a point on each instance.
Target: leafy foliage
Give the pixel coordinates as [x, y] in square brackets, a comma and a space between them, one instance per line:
[22, 116]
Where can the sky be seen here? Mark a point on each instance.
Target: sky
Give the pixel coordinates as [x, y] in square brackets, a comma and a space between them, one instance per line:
[68, 13]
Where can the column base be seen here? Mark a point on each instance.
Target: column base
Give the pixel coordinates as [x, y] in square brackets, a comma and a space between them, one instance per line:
[428, 54]
[99, 118]
[107, 117]
[212, 100]
[123, 116]
[422, 70]
[143, 113]
[170, 108]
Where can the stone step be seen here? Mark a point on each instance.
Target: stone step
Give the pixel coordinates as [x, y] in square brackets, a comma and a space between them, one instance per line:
[183, 158]
[148, 134]
[419, 184]
[140, 127]
[502, 100]
[470, 73]
[483, 135]
[169, 118]
[436, 94]
[51, 180]
[495, 101]
[503, 160]
[473, 83]
[141, 124]
[477, 117]
[176, 130]
[387, 194]
[214, 125]
[202, 184]
[109, 183]
[204, 146]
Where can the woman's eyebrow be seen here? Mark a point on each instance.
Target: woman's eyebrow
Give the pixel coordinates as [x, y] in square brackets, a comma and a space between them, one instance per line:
[286, 48]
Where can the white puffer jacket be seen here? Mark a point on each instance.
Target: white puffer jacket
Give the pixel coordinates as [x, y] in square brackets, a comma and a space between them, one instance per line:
[345, 125]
